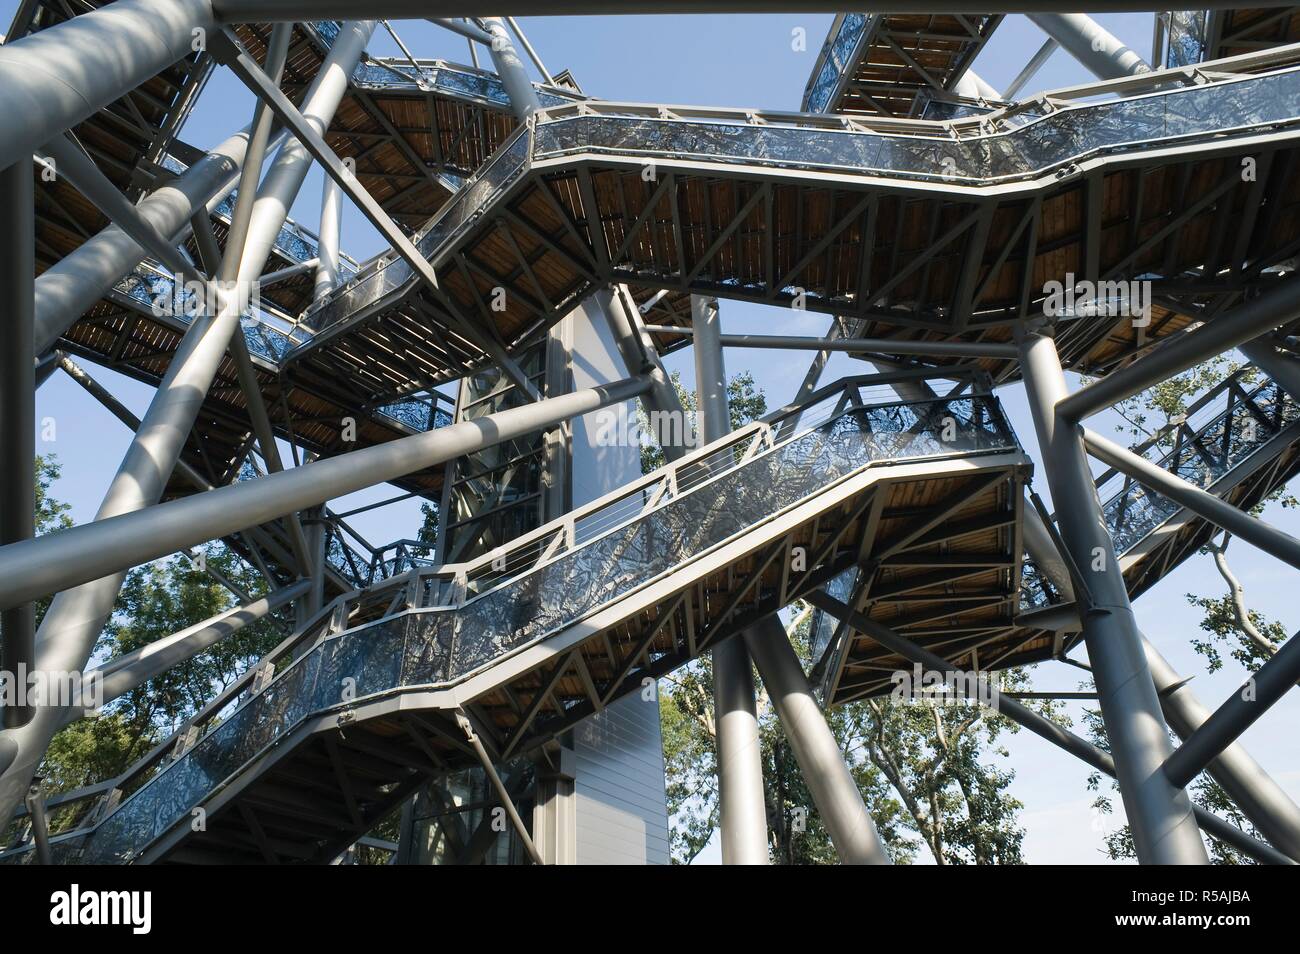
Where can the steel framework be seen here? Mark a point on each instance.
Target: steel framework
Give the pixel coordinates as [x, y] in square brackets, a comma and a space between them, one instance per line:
[934, 222]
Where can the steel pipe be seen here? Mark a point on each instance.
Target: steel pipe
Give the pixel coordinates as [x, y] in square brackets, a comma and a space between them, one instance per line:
[1261, 800]
[1038, 724]
[1160, 814]
[833, 788]
[109, 545]
[1282, 368]
[523, 97]
[70, 287]
[310, 137]
[18, 409]
[327, 245]
[1223, 333]
[467, 30]
[76, 616]
[82, 172]
[1036, 63]
[503, 793]
[532, 54]
[661, 402]
[132, 670]
[936, 349]
[1268, 684]
[742, 806]
[973, 86]
[56, 77]
[1097, 49]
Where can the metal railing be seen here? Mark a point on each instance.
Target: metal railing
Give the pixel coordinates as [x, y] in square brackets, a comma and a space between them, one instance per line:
[438, 626]
[1020, 142]
[1223, 429]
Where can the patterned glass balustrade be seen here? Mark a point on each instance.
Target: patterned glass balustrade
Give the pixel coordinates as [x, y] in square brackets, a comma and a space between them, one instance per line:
[1223, 429]
[837, 59]
[472, 615]
[327, 31]
[1186, 45]
[1017, 143]
[1238, 422]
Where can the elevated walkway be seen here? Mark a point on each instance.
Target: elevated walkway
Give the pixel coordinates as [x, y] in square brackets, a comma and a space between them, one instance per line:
[936, 231]
[897, 64]
[526, 641]
[1239, 441]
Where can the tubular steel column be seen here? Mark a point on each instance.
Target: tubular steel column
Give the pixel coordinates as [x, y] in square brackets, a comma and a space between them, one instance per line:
[317, 536]
[327, 250]
[972, 85]
[1282, 368]
[55, 78]
[1159, 813]
[18, 410]
[661, 403]
[523, 98]
[1097, 49]
[740, 764]
[834, 791]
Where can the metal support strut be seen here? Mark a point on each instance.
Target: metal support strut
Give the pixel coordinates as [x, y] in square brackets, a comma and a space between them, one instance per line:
[740, 761]
[1159, 813]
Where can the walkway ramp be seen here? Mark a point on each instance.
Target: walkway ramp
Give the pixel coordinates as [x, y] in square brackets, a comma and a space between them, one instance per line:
[936, 231]
[315, 745]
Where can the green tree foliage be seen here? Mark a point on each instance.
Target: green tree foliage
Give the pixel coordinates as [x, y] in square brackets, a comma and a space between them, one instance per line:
[428, 532]
[924, 769]
[51, 513]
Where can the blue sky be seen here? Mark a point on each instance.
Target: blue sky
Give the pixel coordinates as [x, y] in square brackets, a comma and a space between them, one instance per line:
[748, 61]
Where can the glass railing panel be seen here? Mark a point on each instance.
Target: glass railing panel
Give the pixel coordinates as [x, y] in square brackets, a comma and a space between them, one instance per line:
[391, 273]
[1226, 440]
[612, 565]
[1250, 102]
[839, 59]
[1186, 38]
[823, 625]
[432, 646]
[1039, 143]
